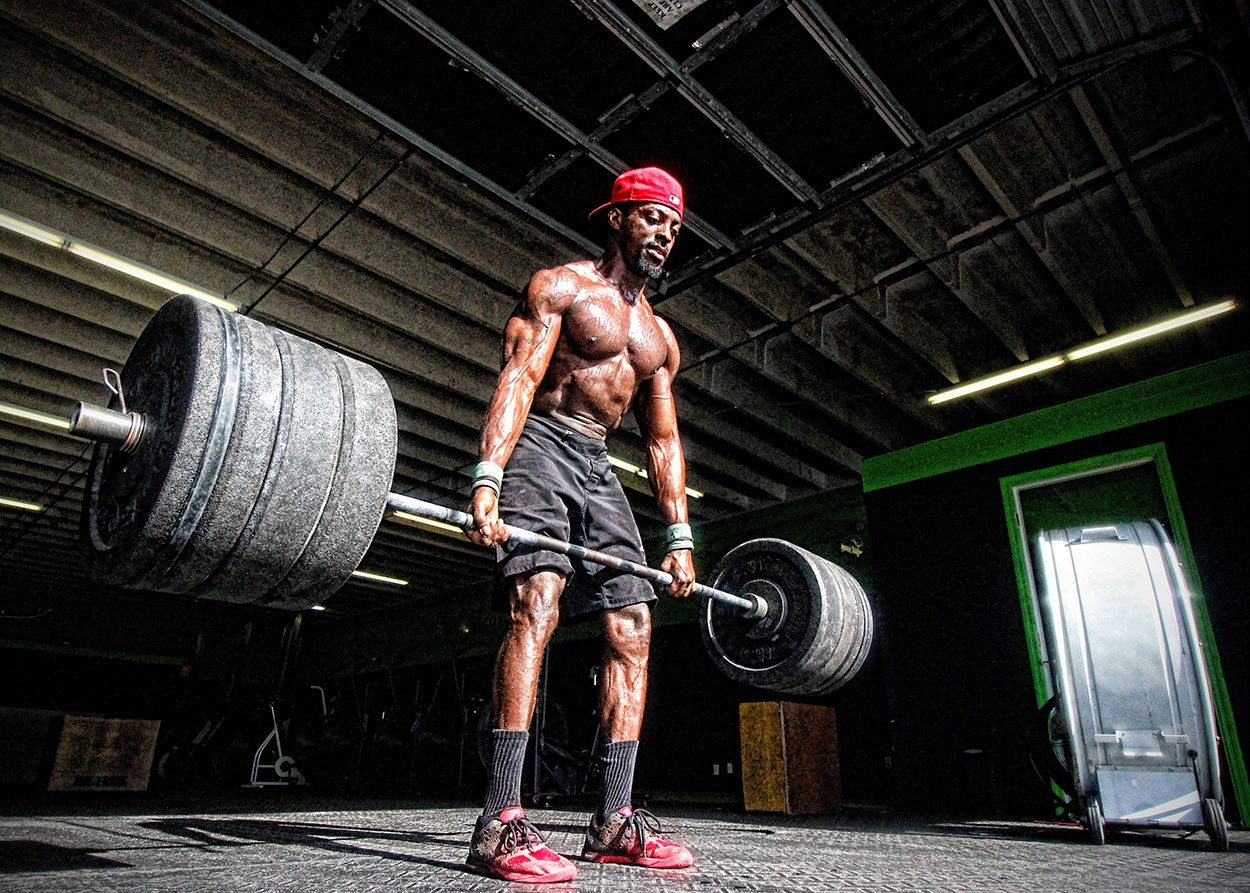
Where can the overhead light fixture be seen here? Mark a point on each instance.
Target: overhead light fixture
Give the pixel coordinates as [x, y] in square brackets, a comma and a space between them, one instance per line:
[1109, 342]
[147, 274]
[378, 578]
[32, 230]
[994, 381]
[1184, 319]
[32, 415]
[642, 473]
[39, 233]
[18, 504]
[316, 607]
[440, 526]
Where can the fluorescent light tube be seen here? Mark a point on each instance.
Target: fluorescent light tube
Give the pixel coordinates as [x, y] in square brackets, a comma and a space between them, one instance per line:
[18, 504]
[994, 381]
[147, 274]
[32, 230]
[32, 415]
[626, 466]
[379, 578]
[441, 526]
[1184, 319]
[642, 473]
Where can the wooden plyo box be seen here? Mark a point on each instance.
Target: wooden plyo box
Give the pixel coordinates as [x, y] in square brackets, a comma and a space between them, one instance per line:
[789, 758]
[97, 754]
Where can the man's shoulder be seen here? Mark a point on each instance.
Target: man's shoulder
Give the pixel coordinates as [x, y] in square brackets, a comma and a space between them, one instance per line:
[563, 283]
[574, 272]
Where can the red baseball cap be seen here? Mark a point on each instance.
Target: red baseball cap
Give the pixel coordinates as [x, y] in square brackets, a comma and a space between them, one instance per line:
[646, 184]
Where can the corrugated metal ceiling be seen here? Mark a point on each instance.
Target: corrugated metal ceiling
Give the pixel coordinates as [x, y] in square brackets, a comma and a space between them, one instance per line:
[886, 198]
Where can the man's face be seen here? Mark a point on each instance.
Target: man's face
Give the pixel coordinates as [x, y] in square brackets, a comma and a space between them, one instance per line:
[648, 231]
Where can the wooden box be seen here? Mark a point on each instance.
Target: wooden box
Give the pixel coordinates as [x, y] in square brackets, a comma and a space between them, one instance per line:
[97, 754]
[789, 758]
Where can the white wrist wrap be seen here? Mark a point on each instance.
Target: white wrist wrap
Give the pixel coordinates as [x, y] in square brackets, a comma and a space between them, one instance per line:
[678, 537]
[487, 474]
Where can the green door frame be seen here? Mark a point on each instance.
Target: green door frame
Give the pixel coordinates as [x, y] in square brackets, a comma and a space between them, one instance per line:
[1156, 454]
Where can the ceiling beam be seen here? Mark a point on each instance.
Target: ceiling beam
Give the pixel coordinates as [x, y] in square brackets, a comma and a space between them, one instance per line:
[631, 106]
[881, 171]
[1087, 308]
[1124, 182]
[726, 381]
[666, 66]
[1036, 56]
[338, 26]
[473, 60]
[402, 130]
[856, 69]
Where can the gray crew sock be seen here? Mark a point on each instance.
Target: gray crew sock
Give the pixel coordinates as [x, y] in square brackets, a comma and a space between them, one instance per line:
[617, 787]
[503, 789]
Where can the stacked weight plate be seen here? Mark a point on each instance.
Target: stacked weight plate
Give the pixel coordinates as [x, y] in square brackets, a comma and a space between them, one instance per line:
[816, 634]
[263, 471]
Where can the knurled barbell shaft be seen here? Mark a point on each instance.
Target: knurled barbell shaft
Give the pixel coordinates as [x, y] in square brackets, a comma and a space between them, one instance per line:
[123, 429]
[753, 607]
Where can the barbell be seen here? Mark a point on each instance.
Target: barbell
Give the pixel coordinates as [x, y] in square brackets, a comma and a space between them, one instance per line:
[241, 463]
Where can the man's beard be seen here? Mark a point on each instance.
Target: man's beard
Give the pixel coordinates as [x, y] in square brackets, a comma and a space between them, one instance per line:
[645, 266]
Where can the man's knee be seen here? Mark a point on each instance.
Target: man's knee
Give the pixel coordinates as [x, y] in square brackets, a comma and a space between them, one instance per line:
[534, 600]
[628, 629]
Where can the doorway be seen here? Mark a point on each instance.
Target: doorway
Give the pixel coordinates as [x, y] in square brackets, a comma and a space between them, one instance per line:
[1050, 508]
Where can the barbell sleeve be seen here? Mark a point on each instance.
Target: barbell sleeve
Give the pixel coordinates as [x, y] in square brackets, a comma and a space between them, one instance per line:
[753, 607]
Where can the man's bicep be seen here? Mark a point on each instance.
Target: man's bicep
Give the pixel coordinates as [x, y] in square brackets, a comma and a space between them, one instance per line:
[672, 362]
[535, 324]
[654, 407]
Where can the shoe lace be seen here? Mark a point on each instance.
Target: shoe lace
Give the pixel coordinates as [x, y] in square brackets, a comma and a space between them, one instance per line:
[520, 832]
[640, 825]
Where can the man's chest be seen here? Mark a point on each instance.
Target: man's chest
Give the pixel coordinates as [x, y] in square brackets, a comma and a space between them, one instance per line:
[598, 328]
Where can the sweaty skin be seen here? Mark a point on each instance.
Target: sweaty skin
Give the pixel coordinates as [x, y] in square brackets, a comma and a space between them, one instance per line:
[583, 347]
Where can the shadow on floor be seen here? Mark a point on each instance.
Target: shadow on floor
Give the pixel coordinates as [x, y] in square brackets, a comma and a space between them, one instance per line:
[343, 839]
[34, 855]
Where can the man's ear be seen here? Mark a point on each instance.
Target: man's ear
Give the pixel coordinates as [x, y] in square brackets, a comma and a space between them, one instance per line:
[615, 218]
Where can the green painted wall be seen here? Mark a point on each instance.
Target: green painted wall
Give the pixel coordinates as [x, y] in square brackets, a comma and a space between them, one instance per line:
[1145, 401]
[955, 656]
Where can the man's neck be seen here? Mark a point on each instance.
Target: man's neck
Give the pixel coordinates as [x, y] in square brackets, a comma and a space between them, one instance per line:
[612, 268]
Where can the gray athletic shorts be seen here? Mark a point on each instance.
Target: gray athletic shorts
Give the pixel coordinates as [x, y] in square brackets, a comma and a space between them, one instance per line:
[559, 482]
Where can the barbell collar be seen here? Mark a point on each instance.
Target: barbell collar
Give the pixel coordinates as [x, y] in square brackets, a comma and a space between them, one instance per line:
[123, 430]
[753, 607]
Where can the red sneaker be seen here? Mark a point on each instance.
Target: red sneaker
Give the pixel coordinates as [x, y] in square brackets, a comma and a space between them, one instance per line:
[632, 837]
[511, 848]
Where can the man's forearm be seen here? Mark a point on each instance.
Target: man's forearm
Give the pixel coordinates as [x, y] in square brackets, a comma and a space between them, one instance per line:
[667, 474]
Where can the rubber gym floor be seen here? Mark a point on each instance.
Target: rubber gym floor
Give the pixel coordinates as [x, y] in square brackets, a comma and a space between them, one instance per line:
[265, 840]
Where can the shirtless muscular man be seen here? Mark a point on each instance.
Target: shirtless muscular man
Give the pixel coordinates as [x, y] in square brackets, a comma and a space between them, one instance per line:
[580, 350]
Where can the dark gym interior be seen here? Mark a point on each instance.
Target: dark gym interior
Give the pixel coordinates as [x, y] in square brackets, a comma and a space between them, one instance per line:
[885, 201]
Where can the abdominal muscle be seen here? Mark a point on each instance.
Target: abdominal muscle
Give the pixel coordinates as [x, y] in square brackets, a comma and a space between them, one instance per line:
[590, 398]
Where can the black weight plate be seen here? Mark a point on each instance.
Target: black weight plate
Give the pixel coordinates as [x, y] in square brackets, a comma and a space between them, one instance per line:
[827, 674]
[855, 637]
[303, 457]
[838, 677]
[771, 661]
[135, 509]
[357, 499]
[245, 464]
[839, 638]
[865, 643]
